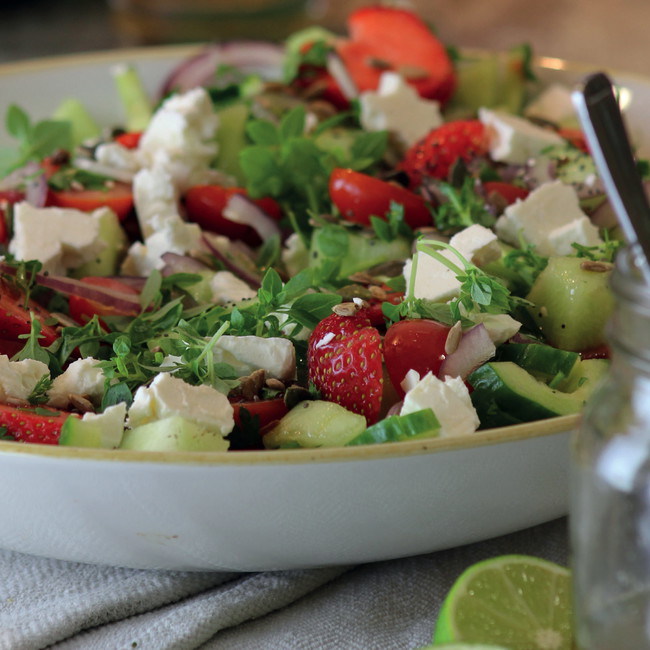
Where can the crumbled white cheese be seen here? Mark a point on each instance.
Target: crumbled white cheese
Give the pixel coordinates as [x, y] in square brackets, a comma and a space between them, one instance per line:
[550, 218]
[169, 396]
[61, 239]
[396, 107]
[435, 281]
[81, 377]
[277, 356]
[449, 400]
[19, 378]
[513, 139]
[227, 287]
[110, 423]
[554, 104]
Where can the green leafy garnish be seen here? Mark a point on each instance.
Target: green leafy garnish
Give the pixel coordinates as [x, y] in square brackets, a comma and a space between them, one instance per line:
[526, 263]
[393, 226]
[464, 208]
[35, 140]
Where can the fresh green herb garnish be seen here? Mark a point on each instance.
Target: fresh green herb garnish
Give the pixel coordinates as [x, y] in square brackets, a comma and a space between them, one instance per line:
[35, 140]
[464, 208]
[393, 226]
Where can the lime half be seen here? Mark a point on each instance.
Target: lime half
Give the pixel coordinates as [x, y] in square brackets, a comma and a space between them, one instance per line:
[516, 601]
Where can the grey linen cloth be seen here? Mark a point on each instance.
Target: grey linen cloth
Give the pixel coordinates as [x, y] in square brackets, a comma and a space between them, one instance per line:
[48, 603]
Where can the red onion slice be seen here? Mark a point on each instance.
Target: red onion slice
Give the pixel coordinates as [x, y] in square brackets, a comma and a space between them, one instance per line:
[340, 74]
[241, 209]
[31, 179]
[259, 57]
[244, 274]
[73, 287]
[474, 349]
[175, 263]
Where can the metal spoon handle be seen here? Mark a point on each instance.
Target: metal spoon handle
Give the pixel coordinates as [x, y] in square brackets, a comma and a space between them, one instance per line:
[603, 126]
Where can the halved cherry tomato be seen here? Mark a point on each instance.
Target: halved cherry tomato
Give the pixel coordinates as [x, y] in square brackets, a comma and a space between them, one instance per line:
[415, 344]
[268, 410]
[576, 137]
[83, 309]
[508, 191]
[15, 319]
[130, 140]
[205, 204]
[118, 197]
[600, 352]
[358, 196]
[374, 309]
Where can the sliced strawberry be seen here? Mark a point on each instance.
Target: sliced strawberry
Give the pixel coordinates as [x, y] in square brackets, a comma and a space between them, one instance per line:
[345, 363]
[435, 154]
[389, 38]
[15, 318]
[34, 425]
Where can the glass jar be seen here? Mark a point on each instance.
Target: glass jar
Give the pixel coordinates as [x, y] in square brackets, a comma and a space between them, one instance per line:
[610, 483]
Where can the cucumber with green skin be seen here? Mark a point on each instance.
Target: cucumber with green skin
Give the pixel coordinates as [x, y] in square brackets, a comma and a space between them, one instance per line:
[395, 428]
[504, 393]
[173, 434]
[315, 423]
[571, 303]
[542, 361]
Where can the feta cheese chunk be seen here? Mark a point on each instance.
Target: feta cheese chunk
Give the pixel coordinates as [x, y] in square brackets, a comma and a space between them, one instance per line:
[245, 354]
[168, 396]
[19, 378]
[81, 377]
[227, 287]
[514, 139]
[449, 400]
[180, 137]
[110, 424]
[553, 104]
[61, 239]
[154, 196]
[550, 218]
[434, 281]
[396, 107]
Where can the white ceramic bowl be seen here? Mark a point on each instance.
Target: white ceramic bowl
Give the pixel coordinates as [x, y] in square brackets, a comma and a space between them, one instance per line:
[252, 511]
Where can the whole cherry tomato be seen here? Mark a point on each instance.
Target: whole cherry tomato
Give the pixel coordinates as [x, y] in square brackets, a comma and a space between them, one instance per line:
[414, 344]
[358, 197]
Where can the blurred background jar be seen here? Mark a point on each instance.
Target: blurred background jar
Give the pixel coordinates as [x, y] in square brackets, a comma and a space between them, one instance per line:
[610, 501]
[148, 22]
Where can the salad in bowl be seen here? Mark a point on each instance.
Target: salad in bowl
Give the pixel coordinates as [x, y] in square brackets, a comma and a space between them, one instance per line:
[344, 240]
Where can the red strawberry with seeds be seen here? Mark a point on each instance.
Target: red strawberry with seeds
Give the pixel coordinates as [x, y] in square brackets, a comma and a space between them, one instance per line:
[392, 38]
[345, 363]
[434, 155]
[31, 424]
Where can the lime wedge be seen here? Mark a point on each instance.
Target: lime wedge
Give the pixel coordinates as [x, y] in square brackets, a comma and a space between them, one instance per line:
[516, 601]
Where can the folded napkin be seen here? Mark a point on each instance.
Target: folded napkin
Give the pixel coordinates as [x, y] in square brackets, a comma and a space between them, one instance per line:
[48, 603]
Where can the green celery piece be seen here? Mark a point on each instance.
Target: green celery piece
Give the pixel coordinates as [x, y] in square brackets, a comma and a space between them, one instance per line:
[134, 98]
[84, 127]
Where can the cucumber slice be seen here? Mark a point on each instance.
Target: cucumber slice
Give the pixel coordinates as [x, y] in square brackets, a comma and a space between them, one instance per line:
[174, 433]
[544, 362]
[571, 303]
[315, 423]
[231, 138]
[96, 430]
[413, 426]
[516, 392]
[584, 377]
[84, 126]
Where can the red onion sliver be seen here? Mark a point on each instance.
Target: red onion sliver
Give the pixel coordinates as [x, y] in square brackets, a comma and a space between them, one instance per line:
[175, 263]
[250, 56]
[248, 277]
[474, 349]
[241, 209]
[339, 72]
[73, 287]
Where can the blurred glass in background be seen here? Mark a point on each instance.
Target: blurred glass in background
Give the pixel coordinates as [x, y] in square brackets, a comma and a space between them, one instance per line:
[147, 22]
